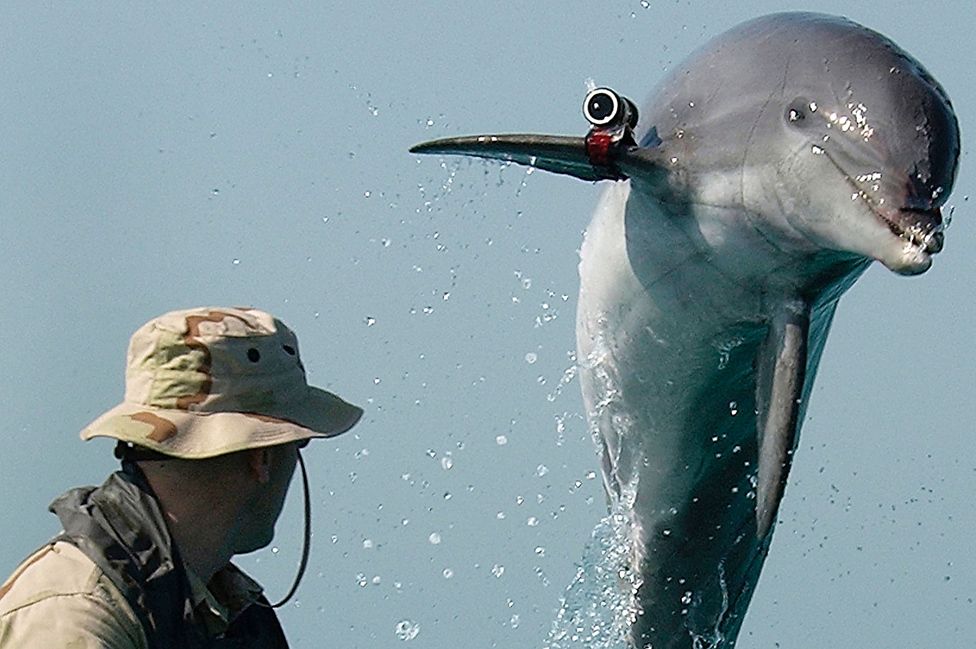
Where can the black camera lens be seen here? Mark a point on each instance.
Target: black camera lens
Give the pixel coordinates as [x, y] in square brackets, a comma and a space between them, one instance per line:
[601, 106]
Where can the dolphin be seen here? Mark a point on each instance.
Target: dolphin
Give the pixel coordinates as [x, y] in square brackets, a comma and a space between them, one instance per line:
[764, 175]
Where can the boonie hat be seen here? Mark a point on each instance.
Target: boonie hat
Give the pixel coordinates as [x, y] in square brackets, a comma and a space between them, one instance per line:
[212, 380]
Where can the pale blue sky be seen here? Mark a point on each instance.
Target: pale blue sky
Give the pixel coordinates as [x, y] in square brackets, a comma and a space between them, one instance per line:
[157, 158]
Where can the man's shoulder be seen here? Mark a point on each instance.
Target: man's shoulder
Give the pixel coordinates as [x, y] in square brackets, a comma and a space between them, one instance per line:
[60, 579]
[55, 570]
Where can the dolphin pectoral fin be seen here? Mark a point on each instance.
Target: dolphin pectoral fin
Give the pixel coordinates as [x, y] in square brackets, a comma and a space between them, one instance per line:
[555, 153]
[779, 390]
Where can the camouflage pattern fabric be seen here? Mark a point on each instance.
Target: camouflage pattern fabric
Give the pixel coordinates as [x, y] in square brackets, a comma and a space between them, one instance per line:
[209, 381]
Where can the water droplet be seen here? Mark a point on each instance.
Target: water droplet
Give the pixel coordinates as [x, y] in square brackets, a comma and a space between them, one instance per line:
[406, 630]
[370, 321]
[447, 462]
[434, 538]
[367, 544]
[541, 470]
[733, 408]
[236, 262]
[531, 358]
[498, 570]
[274, 550]
[532, 522]
[501, 440]
[448, 573]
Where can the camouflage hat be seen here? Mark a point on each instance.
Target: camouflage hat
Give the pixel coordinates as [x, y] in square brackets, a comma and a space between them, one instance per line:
[209, 381]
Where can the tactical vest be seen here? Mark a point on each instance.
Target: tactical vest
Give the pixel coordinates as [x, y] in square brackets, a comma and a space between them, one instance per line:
[120, 527]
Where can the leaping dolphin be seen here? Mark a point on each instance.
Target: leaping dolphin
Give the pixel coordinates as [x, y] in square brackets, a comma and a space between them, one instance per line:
[764, 175]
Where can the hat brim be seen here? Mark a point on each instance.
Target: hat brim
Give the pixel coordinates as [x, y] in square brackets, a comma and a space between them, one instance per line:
[196, 435]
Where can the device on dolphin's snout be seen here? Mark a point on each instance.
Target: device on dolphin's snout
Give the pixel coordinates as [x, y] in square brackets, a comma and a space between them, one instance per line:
[605, 109]
[612, 119]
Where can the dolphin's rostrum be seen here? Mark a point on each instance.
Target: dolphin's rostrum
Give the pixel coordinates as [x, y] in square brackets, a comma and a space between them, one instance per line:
[764, 175]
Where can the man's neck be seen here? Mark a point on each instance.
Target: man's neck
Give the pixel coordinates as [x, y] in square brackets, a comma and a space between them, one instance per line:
[201, 555]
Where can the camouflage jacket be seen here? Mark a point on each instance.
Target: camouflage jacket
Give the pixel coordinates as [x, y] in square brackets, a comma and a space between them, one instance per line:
[115, 579]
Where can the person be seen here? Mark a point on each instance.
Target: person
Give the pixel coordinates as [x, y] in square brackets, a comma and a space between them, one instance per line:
[216, 409]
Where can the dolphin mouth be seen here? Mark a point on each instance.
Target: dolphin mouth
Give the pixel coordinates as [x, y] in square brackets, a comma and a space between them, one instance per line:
[922, 229]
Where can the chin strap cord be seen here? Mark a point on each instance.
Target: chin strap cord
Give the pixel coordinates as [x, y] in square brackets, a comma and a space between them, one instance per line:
[307, 542]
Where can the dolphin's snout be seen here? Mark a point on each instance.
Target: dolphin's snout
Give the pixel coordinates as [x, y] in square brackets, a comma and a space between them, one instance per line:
[920, 227]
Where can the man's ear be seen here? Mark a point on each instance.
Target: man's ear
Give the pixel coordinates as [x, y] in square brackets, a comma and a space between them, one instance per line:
[259, 461]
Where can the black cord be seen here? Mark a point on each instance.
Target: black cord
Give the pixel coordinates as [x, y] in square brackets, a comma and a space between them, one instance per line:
[307, 542]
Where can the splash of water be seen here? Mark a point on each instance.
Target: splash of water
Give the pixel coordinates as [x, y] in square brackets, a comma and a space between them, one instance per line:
[599, 607]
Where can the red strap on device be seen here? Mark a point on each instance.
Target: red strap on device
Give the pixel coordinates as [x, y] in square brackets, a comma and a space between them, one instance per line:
[598, 145]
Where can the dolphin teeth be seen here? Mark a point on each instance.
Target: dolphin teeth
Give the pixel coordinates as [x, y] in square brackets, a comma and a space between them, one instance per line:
[935, 242]
[924, 231]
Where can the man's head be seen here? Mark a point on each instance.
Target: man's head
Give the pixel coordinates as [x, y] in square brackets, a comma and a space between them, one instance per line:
[216, 407]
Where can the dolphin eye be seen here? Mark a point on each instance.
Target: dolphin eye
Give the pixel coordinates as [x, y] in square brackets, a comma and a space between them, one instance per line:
[798, 112]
